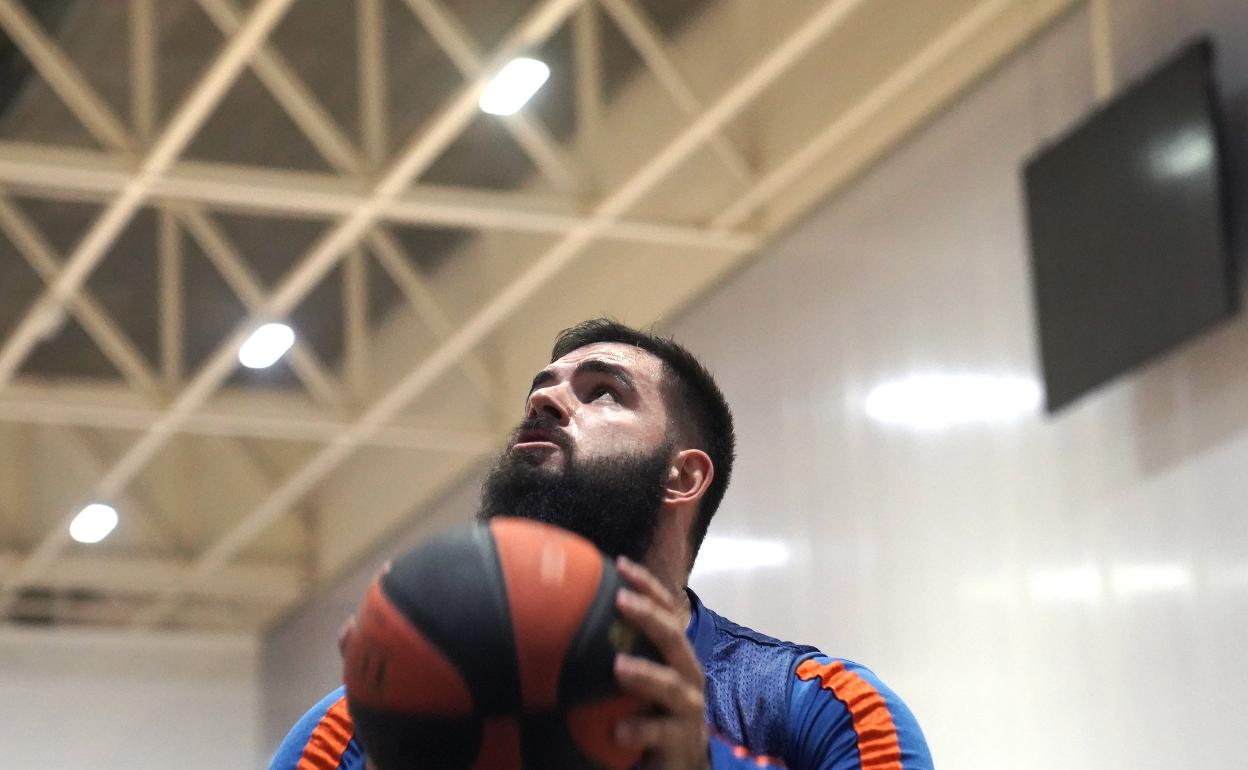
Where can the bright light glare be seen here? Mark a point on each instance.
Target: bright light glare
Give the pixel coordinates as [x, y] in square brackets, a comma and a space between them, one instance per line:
[265, 345]
[93, 523]
[514, 85]
[938, 401]
[1133, 579]
[1189, 152]
[734, 554]
[1070, 584]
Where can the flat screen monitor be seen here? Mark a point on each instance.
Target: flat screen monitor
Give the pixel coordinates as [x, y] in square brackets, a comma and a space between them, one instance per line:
[1128, 221]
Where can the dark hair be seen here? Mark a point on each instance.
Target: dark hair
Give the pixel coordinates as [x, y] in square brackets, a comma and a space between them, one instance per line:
[698, 414]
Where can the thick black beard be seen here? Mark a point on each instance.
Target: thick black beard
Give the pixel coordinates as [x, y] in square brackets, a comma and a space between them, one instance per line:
[612, 502]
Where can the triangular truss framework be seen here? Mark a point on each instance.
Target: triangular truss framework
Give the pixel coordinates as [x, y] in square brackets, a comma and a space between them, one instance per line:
[371, 189]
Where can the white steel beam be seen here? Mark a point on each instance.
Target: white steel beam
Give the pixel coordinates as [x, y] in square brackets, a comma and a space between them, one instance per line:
[95, 320]
[374, 114]
[648, 41]
[301, 105]
[17, 507]
[101, 327]
[329, 139]
[202, 98]
[194, 109]
[114, 343]
[314, 375]
[475, 330]
[172, 290]
[420, 153]
[587, 60]
[62, 173]
[76, 174]
[853, 120]
[221, 616]
[142, 576]
[77, 445]
[31, 243]
[295, 98]
[528, 131]
[421, 298]
[31, 405]
[309, 370]
[324, 133]
[53, 66]
[144, 108]
[355, 323]
[252, 472]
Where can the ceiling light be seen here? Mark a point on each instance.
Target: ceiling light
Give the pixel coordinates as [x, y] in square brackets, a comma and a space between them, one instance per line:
[265, 345]
[936, 401]
[93, 523]
[514, 85]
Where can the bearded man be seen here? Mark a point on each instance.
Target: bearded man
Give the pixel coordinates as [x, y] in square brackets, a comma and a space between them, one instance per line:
[628, 441]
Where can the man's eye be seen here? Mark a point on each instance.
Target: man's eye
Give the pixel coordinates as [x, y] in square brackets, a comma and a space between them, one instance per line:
[600, 391]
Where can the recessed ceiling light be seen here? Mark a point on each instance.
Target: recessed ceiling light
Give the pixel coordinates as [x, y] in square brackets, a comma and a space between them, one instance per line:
[265, 345]
[93, 523]
[513, 86]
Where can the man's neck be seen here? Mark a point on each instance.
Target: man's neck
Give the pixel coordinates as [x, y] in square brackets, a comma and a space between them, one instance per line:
[668, 560]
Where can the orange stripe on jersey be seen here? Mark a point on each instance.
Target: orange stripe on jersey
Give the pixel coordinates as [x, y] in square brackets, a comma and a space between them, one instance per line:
[329, 740]
[878, 748]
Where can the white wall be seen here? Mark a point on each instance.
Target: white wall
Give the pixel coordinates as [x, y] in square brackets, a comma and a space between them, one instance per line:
[1069, 593]
[130, 701]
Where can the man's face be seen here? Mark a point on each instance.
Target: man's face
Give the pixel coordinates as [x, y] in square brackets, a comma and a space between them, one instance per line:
[592, 453]
[600, 401]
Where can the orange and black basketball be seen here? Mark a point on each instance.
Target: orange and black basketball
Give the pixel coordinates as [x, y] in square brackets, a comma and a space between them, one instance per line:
[492, 648]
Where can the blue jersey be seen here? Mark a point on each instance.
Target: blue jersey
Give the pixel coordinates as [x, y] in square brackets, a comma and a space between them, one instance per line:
[768, 702]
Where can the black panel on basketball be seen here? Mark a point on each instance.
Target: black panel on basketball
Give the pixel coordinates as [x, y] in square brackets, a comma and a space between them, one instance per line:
[396, 740]
[452, 590]
[588, 670]
[546, 744]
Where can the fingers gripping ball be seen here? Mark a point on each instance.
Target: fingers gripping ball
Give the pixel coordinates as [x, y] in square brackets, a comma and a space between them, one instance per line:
[492, 648]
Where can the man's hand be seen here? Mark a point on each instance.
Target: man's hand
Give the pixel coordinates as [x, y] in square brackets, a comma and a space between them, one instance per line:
[676, 738]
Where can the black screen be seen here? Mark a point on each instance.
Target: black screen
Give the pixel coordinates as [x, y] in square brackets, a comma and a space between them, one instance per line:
[1127, 218]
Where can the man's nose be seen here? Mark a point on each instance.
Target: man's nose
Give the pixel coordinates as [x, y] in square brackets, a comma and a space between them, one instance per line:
[549, 401]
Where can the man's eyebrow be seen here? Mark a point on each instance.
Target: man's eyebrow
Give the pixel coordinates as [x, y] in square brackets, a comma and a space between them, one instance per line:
[611, 370]
[592, 365]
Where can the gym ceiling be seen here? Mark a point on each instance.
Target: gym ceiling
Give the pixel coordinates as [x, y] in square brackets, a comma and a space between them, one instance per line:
[175, 173]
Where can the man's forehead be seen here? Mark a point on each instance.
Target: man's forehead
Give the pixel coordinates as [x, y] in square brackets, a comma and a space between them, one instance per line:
[630, 357]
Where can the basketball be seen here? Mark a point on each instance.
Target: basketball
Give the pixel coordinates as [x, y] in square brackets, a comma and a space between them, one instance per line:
[492, 647]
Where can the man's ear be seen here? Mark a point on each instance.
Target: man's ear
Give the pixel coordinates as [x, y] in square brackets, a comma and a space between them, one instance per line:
[688, 477]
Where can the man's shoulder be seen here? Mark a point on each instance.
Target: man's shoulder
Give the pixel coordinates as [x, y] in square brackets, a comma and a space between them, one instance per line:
[728, 632]
[749, 680]
[841, 708]
[802, 704]
[322, 739]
